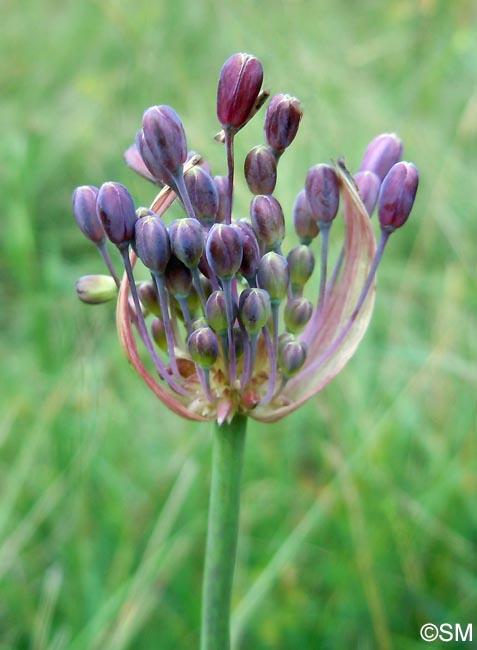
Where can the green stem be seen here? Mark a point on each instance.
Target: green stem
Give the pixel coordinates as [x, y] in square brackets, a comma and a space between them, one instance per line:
[222, 533]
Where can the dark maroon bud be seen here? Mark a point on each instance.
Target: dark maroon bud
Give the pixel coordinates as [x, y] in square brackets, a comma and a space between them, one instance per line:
[115, 208]
[301, 263]
[178, 278]
[221, 184]
[164, 135]
[368, 185]
[187, 241]
[96, 289]
[84, 210]
[149, 298]
[397, 195]
[322, 192]
[203, 195]
[382, 153]
[203, 347]
[134, 161]
[297, 313]
[261, 170]
[239, 86]
[216, 312]
[151, 243]
[268, 220]
[273, 276]
[224, 250]
[254, 310]
[158, 332]
[251, 249]
[282, 121]
[291, 357]
[305, 226]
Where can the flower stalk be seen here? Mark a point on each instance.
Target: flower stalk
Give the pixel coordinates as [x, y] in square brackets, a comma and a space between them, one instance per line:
[222, 533]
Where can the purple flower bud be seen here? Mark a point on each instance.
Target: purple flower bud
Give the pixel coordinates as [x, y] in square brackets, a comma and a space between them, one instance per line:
[282, 121]
[216, 312]
[164, 136]
[84, 210]
[305, 226]
[239, 85]
[301, 263]
[203, 194]
[115, 208]
[322, 192]
[158, 332]
[96, 289]
[291, 357]
[221, 184]
[297, 313]
[397, 195]
[203, 347]
[148, 296]
[178, 278]
[251, 249]
[254, 309]
[151, 243]
[224, 250]
[368, 185]
[260, 170]
[187, 241]
[273, 276]
[268, 220]
[381, 154]
[134, 161]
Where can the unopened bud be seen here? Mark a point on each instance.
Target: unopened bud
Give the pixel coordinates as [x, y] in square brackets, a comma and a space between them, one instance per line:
[84, 210]
[151, 243]
[254, 309]
[197, 323]
[273, 276]
[134, 161]
[368, 185]
[165, 137]
[239, 85]
[148, 296]
[178, 278]
[158, 332]
[261, 170]
[251, 249]
[115, 208]
[224, 250]
[203, 347]
[297, 313]
[322, 192]
[203, 194]
[216, 312]
[305, 226]
[187, 241]
[96, 289]
[268, 220]
[301, 263]
[381, 154]
[282, 121]
[397, 195]
[291, 357]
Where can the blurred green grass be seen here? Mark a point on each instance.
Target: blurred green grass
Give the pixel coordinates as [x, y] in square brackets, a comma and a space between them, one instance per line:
[358, 520]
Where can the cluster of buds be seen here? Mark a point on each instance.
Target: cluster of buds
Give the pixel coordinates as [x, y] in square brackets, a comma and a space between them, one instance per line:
[227, 322]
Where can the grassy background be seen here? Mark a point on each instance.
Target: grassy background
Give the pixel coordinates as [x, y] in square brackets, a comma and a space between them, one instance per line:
[358, 521]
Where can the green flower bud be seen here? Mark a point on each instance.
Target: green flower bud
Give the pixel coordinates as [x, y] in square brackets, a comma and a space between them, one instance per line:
[301, 262]
[291, 357]
[273, 276]
[254, 309]
[158, 332]
[203, 347]
[149, 298]
[297, 313]
[96, 289]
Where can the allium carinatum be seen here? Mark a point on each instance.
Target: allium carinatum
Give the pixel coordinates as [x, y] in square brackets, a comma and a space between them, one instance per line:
[245, 326]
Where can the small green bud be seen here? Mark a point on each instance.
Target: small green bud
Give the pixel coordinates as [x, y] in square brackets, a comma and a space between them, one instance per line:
[203, 347]
[297, 313]
[301, 263]
[291, 357]
[254, 309]
[96, 289]
[273, 276]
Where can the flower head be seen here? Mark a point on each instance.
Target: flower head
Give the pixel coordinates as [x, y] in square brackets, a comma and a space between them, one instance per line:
[229, 322]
